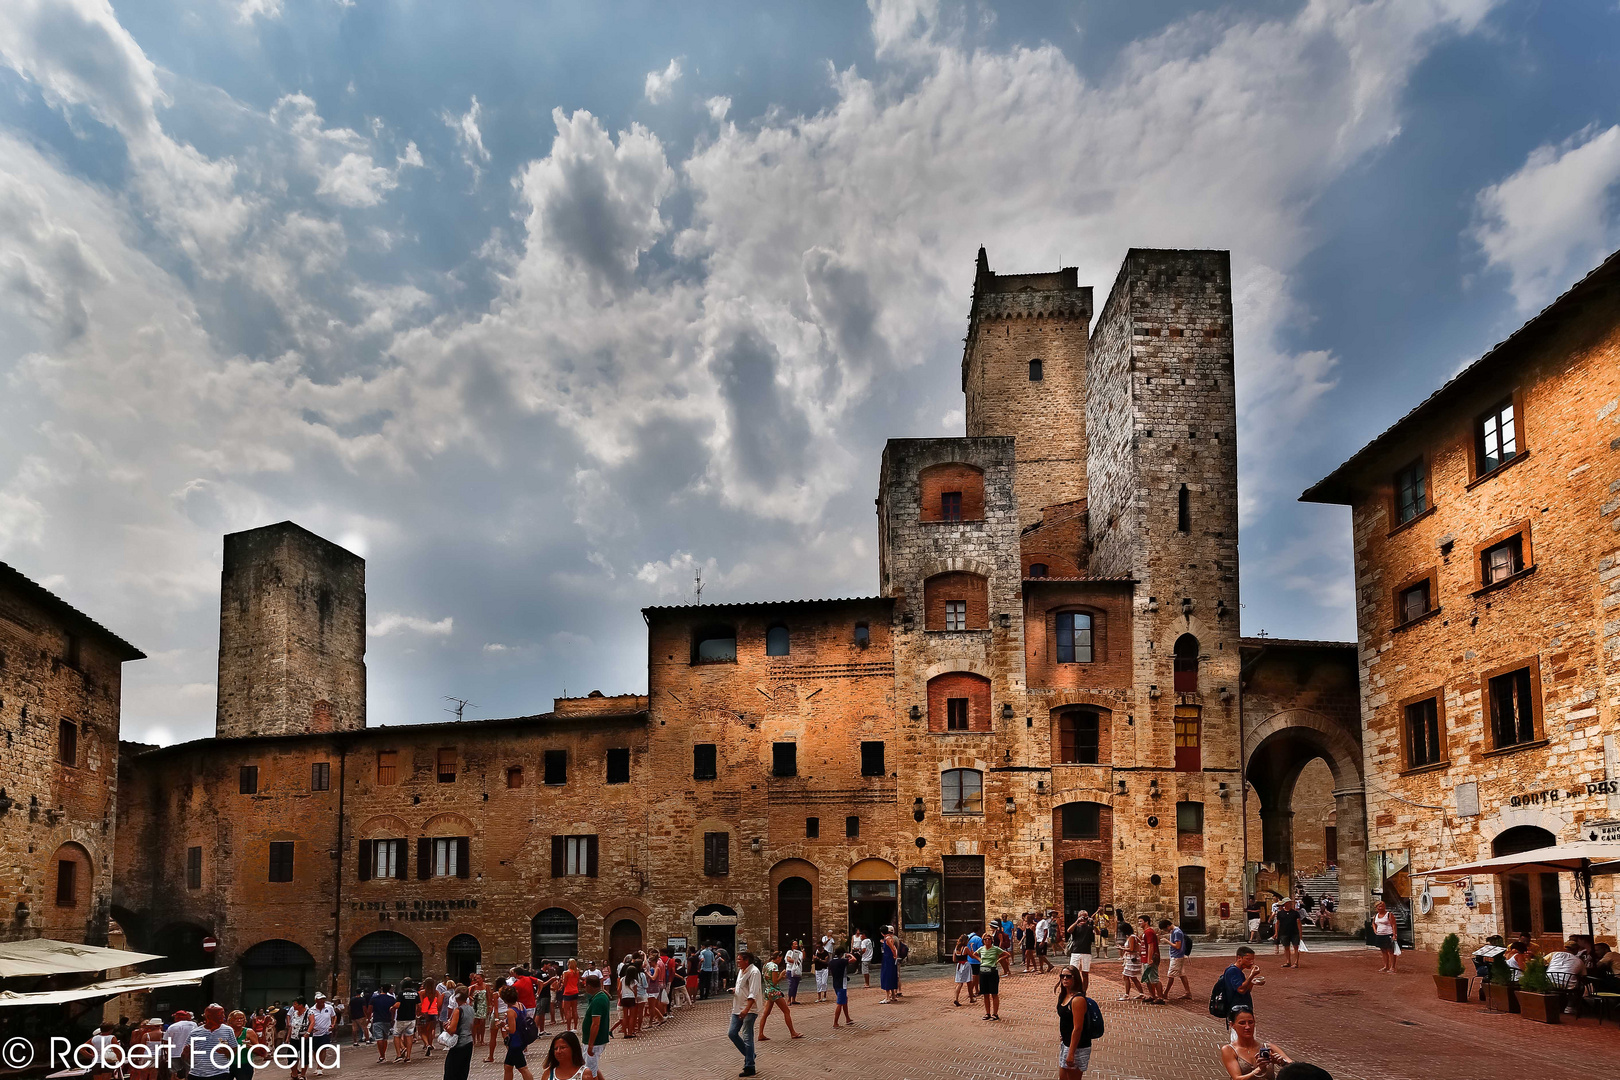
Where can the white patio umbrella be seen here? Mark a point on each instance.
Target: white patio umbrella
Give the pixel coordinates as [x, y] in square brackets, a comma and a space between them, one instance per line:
[1583, 858]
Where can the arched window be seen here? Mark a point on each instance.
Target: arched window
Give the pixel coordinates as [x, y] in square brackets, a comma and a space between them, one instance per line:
[863, 635]
[956, 601]
[1073, 637]
[951, 491]
[962, 791]
[958, 701]
[1037, 569]
[1080, 736]
[714, 645]
[554, 935]
[1532, 900]
[1036, 373]
[1183, 510]
[384, 957]
[776, 641]
[1186, 664]
[275, 970]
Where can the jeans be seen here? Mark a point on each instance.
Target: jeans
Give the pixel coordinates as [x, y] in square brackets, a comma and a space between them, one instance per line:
[793, 986]
[704, 979]
[457, 1061]
[742, 1037]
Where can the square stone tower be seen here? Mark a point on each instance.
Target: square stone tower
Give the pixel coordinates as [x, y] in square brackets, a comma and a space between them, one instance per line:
[292, 634]
[1024, 374]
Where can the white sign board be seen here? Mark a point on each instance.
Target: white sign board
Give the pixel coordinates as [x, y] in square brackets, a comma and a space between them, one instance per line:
[1602, 831]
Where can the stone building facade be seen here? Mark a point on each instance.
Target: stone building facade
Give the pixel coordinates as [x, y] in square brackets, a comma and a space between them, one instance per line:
[1487, 565]
[1040, 708]
[60, 678]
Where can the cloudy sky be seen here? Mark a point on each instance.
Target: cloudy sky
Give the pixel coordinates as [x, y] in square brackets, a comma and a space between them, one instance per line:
[540, 307]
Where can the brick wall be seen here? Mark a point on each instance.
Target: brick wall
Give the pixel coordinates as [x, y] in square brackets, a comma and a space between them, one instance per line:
[1058, 540]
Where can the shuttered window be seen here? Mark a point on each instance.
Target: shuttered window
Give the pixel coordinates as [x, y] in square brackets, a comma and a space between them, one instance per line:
[573, 856]
[281, 861]
[716, 853]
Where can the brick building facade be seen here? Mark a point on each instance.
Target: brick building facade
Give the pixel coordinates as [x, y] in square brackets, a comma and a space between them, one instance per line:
[60, 677]
[1487, 565]
[1043, 706]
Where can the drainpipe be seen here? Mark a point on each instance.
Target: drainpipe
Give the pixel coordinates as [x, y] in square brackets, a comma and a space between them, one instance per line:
[337, 906]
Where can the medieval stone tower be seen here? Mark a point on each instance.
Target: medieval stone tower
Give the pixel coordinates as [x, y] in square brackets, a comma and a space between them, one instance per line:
[292, 634]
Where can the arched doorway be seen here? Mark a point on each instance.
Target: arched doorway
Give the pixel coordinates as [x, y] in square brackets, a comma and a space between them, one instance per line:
[383, 957]
[276, 970]
[624, 938]
[1082, 887]
[716, 925]
[874, 896]
[793, 912]
[181, 947]
[553, 935]
[1531, 904]
[462, 956]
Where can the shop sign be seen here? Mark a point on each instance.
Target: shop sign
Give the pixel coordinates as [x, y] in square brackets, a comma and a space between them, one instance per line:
[1606, 831]
[413, 910]
[1579, 791]
[714, 920]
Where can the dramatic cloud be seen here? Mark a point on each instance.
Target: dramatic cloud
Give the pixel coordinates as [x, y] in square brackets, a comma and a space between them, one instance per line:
[1554, 217]
[469, 138]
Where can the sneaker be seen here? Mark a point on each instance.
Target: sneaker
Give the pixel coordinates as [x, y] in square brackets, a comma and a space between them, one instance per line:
[747, 1072]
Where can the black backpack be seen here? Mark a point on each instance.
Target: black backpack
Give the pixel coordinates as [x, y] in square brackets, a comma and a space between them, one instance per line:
[1186, 944]
[1094, 1021]
[1218, 1006]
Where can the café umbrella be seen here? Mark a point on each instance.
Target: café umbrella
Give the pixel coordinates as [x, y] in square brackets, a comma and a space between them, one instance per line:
[1583, 858]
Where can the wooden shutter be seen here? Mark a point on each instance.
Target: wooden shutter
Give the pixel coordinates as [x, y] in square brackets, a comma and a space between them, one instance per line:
[462, 845]
[559, 863]
[590, 856]
[424, 858]
[365, 860]
[399, 858]
[1066, 741]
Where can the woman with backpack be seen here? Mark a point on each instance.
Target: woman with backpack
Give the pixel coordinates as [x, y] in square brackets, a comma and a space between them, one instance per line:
[521, 1025]
[1075, 1032]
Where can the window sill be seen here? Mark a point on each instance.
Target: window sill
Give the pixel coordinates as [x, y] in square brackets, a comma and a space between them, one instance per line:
[1503, 751]
[712, 663]
[1411, 521]
[1505, 582]
[963, 817]
[969, 630]
[1421, 769]
[963, 731]
[1409, 623]
[951, 521]
[1498, 471]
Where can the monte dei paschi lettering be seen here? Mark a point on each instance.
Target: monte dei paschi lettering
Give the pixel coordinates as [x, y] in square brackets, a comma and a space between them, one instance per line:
[413, 910]
[1598, 787]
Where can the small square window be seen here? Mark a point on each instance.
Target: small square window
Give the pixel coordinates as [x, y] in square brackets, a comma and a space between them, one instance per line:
[447, 765]
[703, 761]
[950, 506]
[1037, 569]
[956, 614]
[193, 867]
[784, 759]
[514, 776]
[956, 714]
[320, 776]
[1190, 817]
[1081, 821]
[1036, 371]
[1411, 492]
[872, 759]
[248, 780]
[863, 635]
[1073, 637]
[556, 767]
[852, 827]
[618, 765]
[1414, 601]
[812, 828]
[1501, 561]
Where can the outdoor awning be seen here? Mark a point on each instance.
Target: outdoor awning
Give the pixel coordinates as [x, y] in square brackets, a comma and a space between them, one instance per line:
[1591, 856]
[44, 956]
[108, 988]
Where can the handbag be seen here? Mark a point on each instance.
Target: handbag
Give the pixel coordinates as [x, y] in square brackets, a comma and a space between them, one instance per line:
[445, 1040]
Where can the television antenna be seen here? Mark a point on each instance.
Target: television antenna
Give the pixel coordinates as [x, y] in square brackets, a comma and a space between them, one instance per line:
[697, 586]
[461, 705]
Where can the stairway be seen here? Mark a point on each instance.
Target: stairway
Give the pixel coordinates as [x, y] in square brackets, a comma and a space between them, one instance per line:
[1323, 884]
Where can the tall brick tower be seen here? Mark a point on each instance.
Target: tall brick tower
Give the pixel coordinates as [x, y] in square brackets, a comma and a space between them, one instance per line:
[1024, 374]
[1162, 462]
[292, 634]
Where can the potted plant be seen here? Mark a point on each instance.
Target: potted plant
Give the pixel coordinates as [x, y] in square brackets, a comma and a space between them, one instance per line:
[1538, 1000]
[1449, 981]
[1499, 996]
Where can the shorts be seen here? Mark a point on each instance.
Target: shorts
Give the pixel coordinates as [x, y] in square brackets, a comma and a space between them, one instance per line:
[1040, 948]
[515, 1058]
[866, 967]
[1291, 938]
[1178, 966]
[1131, 968]
[593, 1058]
[989, 981]
[821, 982]
[1254, 926]
[973, 971]
[380, 1030]
[1081, 960]
[1077, 1058]
[1150, 974]
[1384, 942]
[625, 1003]
[964, 973]
[403, 1028]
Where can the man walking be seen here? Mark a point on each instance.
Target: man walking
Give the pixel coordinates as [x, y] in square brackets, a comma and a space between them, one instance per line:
[1178, 958]
[1289, 932]
[705, 972]
[745, 1001]
[380, 1011]
[1082, 935]
[838, 975]
[322, 1019]
[1239, 981]
[595, 1026]
[1150, 962]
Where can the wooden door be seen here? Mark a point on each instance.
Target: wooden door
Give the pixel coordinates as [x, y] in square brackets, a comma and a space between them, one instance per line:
[1191, 913]
[793, 913]
[962, 896]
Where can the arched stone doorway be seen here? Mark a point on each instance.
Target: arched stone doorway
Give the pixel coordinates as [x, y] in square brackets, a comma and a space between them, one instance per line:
[624, 938]
[793, 912]
[276, 970]
[462, 957]
[553, 935]
[1530, 902]
[383, 957]
[874, 896]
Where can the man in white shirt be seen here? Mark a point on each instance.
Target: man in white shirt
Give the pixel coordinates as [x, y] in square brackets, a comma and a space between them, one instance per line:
[745, 999]
[868, 948]
[1565, 968]
[1043, 934]
[213, 1045]
[177, 1036]
[322, 1018]
[794, 959]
